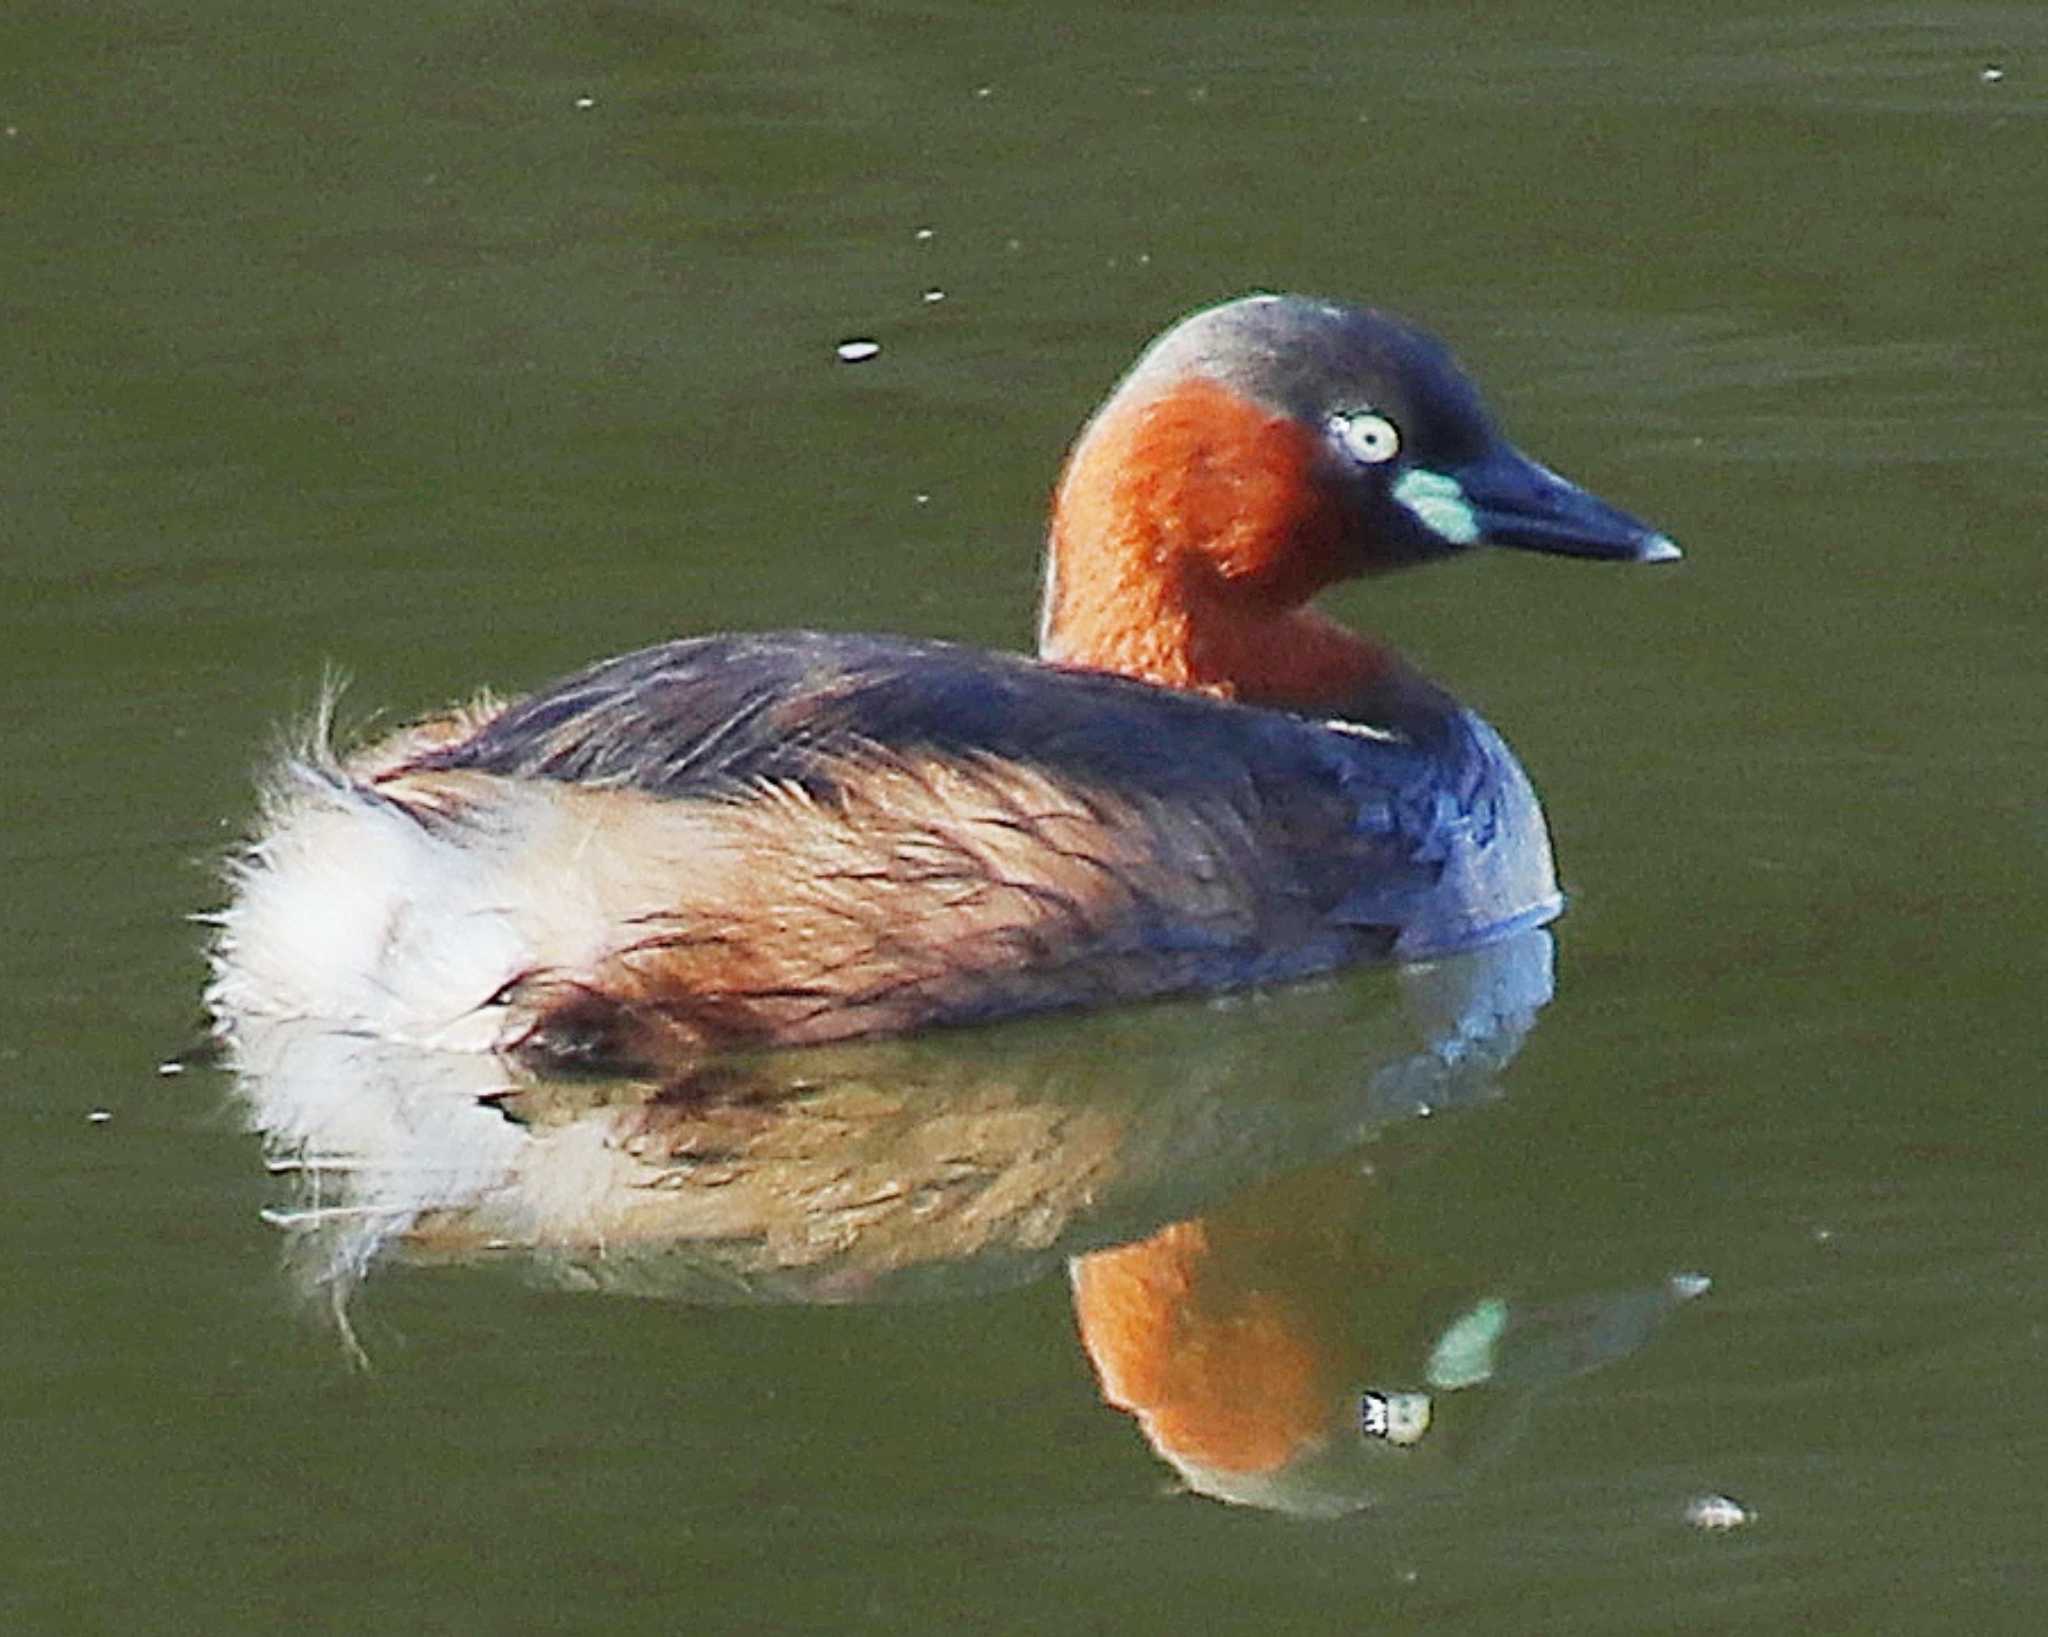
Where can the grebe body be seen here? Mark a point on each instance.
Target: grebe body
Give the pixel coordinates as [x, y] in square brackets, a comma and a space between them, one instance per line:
[783, 839]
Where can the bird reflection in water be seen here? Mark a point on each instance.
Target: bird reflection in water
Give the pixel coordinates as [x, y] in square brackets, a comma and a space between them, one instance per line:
[1197, 1165]
[1276, 1355]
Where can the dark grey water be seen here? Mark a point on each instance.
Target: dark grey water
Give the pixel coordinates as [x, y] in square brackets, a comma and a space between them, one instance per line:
[459, 344]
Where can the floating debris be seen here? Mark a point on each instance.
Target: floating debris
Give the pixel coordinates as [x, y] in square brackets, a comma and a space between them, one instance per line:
[857, 351]
[1688, 1286]
[1717, 1512]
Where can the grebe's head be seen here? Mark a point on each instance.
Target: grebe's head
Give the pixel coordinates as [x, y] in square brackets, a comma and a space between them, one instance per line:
[1262, 450]
[1393, 435]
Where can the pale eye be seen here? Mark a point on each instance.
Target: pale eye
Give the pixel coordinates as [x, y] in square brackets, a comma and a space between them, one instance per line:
[1366, 436]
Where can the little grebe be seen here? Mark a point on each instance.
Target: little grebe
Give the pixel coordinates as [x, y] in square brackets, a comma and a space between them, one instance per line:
[754, 840]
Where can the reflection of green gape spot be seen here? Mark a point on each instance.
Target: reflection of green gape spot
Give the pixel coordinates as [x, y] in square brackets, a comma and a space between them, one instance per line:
[1463, 1355]
[1439, 504]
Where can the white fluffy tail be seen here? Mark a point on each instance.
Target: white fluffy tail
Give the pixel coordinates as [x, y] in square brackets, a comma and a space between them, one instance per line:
[360, 911]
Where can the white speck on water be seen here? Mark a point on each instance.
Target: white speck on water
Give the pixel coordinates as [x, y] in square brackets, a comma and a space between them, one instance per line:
[984, 90]
[586, 102]
[934, 295]
[922, 498]
[1991, 74]
[100, 1116]
[1822, 1236]
[923, 235]
[857, 351]
[1687, 1286]
[1715, 1512]
[1144, 258]
[169, 1067]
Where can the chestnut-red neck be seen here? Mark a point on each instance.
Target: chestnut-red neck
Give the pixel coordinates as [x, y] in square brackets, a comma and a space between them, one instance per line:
[1188, 533]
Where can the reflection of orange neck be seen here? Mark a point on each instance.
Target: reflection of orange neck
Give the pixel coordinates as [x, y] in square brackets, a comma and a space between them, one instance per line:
[1188, 531]
[1223, 1375]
